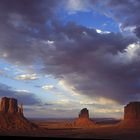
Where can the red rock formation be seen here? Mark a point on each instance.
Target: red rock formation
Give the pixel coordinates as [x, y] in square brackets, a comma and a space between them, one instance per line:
[4, 105]
[132, 111]
[84, 113]
[20, 110]
[11, 116]
[8, 105]
[13, 106]
[83, 121]
[131, 116]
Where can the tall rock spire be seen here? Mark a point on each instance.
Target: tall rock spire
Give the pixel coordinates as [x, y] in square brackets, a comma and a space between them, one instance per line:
[20, 109]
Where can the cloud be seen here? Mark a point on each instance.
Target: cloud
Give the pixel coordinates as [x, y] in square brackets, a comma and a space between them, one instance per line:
[27, 9]
[27, 77]
[89, 63]
[93, 64]
[98, 101]
[73, 6]
[49, 112]
[137, 31]
[102, 32]
[107, 111]
[130, 54]
[86, 62]
[63, 101]
[48, 87]
[1, 72]
[22, 96]
[125, 12]
[21, 22]
[23, 90]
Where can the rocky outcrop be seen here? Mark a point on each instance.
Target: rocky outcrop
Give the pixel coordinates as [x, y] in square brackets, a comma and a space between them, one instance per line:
[131, 116]
[83, 121]
[10, 105]
[132, 111]
[11, 116]
[84, 113]
[4, 105]
[20, 110]
[13, 106]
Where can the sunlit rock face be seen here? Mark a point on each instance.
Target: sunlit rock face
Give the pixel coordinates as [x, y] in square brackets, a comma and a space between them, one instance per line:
[132, 111]
[83, 121]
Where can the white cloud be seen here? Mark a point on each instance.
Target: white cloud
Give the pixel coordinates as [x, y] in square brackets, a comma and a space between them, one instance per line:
[47, 42]
[3, 55]
[102, 110]
[50, 42]
[48, 87]
[22, 90]
[131, 50]
[27, 77]
[77, 5]
[97, 101]
[85, 33]
[63, 101]
[130, 54]
[102, 32]
[67, 87]
[128, 29]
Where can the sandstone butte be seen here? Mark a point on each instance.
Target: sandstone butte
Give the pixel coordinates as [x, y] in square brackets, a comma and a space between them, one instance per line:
[83, 120]
[131, 115]
[12, 117]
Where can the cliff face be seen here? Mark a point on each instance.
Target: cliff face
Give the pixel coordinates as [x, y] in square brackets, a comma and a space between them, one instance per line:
[132, 111]
[83, 121]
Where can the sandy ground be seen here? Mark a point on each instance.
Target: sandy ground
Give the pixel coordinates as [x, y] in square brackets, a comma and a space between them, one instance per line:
[63, 129]
[101, 131]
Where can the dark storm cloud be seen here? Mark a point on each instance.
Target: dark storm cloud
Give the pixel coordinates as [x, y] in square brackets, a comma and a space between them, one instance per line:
[20, 22]
[21, 96]
[128, 12]
[35, 11]
[137, 31]
[94, 64]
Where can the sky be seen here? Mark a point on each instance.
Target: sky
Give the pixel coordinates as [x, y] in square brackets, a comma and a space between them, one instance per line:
[59, 56]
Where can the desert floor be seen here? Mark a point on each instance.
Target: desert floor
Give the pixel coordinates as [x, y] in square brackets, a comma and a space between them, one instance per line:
[103, 129]
[63, 129]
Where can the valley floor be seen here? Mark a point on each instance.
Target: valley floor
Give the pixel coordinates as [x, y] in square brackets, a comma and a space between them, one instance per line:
[63, 129]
